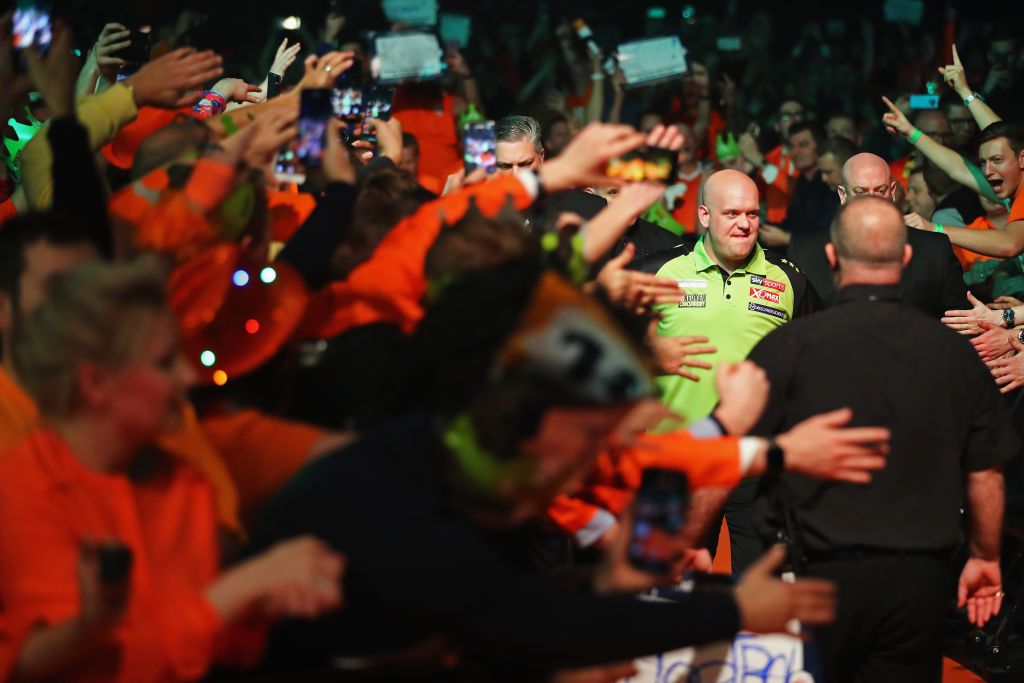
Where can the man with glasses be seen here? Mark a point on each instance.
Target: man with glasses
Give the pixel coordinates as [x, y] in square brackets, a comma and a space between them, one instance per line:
[933, 280]
[961, 123]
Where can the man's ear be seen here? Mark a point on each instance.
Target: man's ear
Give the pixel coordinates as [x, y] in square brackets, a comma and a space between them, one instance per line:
[704, 216]
[908, 253]
[842, 194]
[93, 385]
[1020, 160]
[892, 190]
[830, 254]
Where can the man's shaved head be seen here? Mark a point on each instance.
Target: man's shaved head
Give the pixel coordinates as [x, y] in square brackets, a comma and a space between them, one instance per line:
[730, 209]
[866, 174]
[869, 231]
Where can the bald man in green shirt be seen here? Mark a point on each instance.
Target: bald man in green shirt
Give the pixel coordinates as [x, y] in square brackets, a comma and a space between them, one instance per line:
[733, 292]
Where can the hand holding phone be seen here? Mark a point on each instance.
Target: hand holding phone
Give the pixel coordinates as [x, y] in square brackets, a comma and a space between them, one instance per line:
[647, 164]
[31, 27]
[659, 512]
[481, 147]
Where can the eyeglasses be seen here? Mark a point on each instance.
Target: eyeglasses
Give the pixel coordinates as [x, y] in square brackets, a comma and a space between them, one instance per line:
[787, 116]
[961, 122]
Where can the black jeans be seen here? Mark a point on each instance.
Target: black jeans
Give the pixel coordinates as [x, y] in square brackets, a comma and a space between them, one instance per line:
[889, 625]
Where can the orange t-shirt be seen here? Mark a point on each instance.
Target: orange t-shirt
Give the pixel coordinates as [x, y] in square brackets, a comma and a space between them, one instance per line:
[685, 210]
[260, 452]
[967, 257]
[1017, 208]
[779, 192]
[432, 121]
[288, 211]
[900, 171]
[50, 502]
[19, 416]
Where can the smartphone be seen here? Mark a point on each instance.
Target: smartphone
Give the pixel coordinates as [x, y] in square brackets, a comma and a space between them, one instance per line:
[115, 563]
[31, 27]
[377, 102]
[481, 147]
[127, 71]
[347, 95]
[142, 44]
[650, 164]
[730, 43]
[659, 511]
[924, 101]
[315, 110]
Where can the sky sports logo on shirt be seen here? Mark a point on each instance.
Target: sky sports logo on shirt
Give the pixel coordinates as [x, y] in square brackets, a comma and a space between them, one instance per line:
[770, 284]
[767, 310]
[765, 295]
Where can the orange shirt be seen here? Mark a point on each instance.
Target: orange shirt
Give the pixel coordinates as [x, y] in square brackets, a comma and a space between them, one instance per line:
[685, 209]
[288, 211]
[432, 121]
[261, 453]
[389, 286]
[18, 413]
[617, 474]
[967, 257]
[778, 192]
[1017, 208]
[900, 171]
[50, 502]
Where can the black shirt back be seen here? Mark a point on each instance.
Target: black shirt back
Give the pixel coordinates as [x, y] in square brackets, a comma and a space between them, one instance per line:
[894, 367]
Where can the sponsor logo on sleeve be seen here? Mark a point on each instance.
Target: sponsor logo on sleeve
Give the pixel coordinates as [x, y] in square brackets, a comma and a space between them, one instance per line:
[694, 300]
[770, 284]
[767, 310]
[765, 295]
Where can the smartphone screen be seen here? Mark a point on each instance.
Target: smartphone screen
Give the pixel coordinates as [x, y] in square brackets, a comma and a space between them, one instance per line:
[31, 26]
[924, 101]
[377, 101]
[481, 147]
[658, 515]
[315, 111]
[650, 164]
[142, 44]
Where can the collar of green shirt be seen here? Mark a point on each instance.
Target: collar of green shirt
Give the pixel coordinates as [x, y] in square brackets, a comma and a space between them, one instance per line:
[756, 264]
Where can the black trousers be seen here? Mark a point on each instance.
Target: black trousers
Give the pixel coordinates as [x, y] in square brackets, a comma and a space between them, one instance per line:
[744, 542]
[889, 626]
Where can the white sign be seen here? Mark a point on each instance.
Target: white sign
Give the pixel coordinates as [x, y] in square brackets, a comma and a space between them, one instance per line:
[748, 659]
[411, 12]
[455, 28]
[645, 61]
[405, 56]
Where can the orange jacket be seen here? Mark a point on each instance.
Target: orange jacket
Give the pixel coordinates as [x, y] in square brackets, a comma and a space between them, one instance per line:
[389, 287]
[617, 474]
[50, 503]
[432, 121]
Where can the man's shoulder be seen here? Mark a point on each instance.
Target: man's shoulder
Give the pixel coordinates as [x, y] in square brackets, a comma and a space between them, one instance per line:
[930, 242]
[674, 259]
[791, 270]
[578, 201]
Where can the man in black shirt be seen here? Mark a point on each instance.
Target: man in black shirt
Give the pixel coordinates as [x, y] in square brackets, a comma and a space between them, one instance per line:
[888, 545]
[932, 282]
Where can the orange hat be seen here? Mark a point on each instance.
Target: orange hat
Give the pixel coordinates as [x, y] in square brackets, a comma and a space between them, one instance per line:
[120, 152]
[235, 313]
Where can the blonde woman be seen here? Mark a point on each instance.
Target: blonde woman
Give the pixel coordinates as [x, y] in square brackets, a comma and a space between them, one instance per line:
[109, 566]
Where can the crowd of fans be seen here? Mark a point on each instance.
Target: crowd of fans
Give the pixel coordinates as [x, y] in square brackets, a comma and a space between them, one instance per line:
[390, 421]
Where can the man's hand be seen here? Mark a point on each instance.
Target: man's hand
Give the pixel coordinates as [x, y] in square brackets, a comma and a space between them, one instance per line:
[673, 354]
[458, 180]
[285, 57]
[112, 39]
[742, 395]
[955, 77]
[54, 74]
[237, 90]
[895, 120]
[665, 137]
[321, 72]
[1009, 372]
[13, 85]
[767, 604]
[633, 290]
[980, 589]
[300, 578]
[584, 160]
[1005, 302]
[389, 138]
[773, 236]
[821, 447]
[918, 222]
[173, 80]
[749, 149]
[337, 162]
[993, 343]
[966, 322]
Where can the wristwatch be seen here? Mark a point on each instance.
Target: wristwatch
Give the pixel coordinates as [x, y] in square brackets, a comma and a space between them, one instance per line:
[775, 461]
[1009, 318]
[973, 96]
[1020, 337]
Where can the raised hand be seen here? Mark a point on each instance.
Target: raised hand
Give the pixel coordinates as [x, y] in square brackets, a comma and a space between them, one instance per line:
[895, 120]
[743, 390]
[237, 90]
[285, 57]
[966, 322]
[673, 354]
[633, 290]
[584, 160]
[321, 72]
[822, 446]
[54, 74]
[1009, 371]
[112, 39]
[13, 85]
[993, 343]
[955, 77]
[918, 222]
[768, 604]
[1002, 302]
[172, 81]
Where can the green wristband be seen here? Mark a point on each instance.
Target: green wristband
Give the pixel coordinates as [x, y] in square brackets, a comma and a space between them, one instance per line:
[915, 136]
[939, 227]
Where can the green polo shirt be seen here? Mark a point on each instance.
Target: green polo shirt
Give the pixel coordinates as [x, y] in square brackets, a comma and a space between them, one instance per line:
[734, 311]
